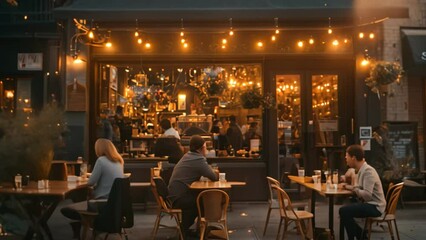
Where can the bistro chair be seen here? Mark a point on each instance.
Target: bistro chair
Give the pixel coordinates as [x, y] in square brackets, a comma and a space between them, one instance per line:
[164, 206]
[288, 214]
[58, 171]
[273, 201]
[392, 196]
[112, 216]
[212, 207]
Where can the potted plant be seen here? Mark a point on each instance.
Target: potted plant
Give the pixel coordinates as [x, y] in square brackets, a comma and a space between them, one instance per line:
[253, 98]
[27, 141]
[383, 73]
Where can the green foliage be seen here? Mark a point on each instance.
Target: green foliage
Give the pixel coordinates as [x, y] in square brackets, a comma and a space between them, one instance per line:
[253, 98]
[27, 141]
[383, 73]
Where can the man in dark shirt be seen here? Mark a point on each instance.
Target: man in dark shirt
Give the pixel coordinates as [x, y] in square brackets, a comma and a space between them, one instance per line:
[234, 134]
[189, 169]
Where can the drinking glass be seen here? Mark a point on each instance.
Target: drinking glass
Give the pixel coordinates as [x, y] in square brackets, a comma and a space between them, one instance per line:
[301, 172]
[18, 182]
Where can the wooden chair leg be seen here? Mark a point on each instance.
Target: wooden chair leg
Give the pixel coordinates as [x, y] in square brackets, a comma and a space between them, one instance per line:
[396, 229]
[279, 228]
[156, 226]
[267, 220]
[369, 229]
[390, 229]
[299, 226]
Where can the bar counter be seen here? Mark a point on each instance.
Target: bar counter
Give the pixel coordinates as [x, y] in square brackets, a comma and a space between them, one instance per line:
[246, 169]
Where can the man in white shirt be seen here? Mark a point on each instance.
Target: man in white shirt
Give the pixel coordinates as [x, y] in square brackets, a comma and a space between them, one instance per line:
[368, 190]
[168, 130]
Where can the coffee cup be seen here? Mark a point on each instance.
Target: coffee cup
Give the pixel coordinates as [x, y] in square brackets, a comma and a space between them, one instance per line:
[222, 177]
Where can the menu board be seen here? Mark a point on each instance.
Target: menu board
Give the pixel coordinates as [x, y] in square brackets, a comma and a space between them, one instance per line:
[403, 138]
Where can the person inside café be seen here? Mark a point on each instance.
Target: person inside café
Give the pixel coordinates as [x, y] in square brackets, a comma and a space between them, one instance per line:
[108, 167]
[168, 129]
[234, 134]
[368, 190]
[189, 169]
[252, 133]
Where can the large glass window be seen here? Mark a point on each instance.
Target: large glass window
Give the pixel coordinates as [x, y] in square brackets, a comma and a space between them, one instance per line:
[325, 108]
[289, 112]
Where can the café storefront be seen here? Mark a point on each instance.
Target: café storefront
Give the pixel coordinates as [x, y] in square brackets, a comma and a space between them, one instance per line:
[186, 65]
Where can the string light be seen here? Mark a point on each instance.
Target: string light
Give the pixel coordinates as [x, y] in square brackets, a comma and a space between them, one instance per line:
[311, 40]
[231, 31]
[300, 43]
[371, 36]
[361, 35]
[260, 44]
[137, 30]
[182, 33]
[277, 30]
[330, 31]
[108, 43]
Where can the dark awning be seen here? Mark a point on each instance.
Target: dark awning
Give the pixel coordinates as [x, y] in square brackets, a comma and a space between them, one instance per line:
[413, 41]
[310, 12]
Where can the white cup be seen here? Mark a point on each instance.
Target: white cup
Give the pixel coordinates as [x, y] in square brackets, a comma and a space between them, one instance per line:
[315, 179]
[18, 182]
[40, 184]
[301, 172]
[222, 177]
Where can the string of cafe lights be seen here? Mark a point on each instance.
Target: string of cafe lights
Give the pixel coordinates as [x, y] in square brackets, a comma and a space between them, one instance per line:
[95, 36]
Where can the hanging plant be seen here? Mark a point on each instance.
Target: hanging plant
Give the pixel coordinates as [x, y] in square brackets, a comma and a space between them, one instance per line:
[251, 98]
[383, 73]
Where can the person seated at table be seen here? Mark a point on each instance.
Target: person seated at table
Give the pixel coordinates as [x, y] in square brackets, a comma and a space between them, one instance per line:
[251, 133]
[108, 167]
[189, 169]
[368, 190]
[168, 129]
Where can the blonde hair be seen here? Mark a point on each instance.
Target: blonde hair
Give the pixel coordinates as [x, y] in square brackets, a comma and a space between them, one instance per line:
[104, 147]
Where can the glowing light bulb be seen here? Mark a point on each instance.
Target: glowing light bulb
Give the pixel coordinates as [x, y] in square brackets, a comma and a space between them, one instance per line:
[182, 40]
[300, 44]
[365, 62]
[231, 33]
[182, 34]
[311, 41]
[260, 44]
[330, 31]
[361, 35]
[335, 43]
[277, 31]
[224, 41]
[185, 45]
[147, 45]
[136, 34]
[108, 44]
[223, 46]
[91, 35]
[371, 35]
[140, 40]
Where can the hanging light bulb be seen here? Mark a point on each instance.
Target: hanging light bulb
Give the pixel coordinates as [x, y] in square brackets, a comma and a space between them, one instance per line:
[260, 44]
[108, 43]
[371, 36]
[311, 40]
[182, 33]
[231, 31]
[330, 31]
[300, 43]
[136, 33]
[277, 30]
[361, 35]
[91, 35]
[273, 38]
[335, 42]
[140, 41]
[147, 45]
[224, 41]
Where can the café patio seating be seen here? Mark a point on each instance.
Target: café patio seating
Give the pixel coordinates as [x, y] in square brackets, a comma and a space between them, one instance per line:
[392, 196]
[212, 207]
[114, 215]
[288, 214]
[412, 184]
[164, 206]
[273, 201]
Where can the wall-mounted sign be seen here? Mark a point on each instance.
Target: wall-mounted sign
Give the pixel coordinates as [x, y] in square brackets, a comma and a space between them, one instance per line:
[30, 61]
[365, 132]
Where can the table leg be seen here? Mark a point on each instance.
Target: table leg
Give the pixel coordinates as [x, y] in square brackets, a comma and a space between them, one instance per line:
[331, 215]
[38, 212]
[313, 200]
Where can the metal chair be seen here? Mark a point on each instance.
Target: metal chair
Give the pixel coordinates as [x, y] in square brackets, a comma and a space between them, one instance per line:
[164, 207]
[212, 207]
[288, 214]
[392, 196]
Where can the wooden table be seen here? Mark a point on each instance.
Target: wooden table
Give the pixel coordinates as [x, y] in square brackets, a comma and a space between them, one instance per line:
[204, 185]
[322, 190]
[39, 204]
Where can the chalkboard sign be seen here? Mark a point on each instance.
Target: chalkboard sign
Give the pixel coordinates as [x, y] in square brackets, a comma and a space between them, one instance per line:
[403, 138]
